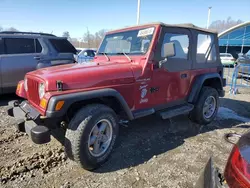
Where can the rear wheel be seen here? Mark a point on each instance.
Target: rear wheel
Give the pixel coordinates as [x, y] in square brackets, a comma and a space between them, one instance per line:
[91, 135]
[206, 107]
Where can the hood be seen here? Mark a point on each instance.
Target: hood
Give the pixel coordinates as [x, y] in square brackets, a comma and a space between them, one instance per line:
[81, 76]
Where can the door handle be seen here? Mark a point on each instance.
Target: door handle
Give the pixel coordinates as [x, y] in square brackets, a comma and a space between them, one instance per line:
[37, 57]
[183, 76]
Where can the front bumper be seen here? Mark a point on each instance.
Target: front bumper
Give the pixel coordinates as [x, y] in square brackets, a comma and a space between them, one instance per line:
[28, 120]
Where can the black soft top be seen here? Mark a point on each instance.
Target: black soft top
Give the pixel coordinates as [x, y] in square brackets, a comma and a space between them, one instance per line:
[184, 25]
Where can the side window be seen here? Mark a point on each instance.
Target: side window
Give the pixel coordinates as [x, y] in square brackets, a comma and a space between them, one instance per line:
[1, 46]
[38, 46]
[63, 46]
[19, 46]
[181, 43]
[206, 51]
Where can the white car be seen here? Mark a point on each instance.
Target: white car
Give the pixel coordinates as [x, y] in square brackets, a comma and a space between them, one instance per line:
[79, 50]
[227, 59]
[86, 55]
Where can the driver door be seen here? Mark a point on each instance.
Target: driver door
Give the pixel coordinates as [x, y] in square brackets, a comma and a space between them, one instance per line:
[172, 83]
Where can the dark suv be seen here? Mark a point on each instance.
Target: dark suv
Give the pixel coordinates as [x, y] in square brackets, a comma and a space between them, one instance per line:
[138, 71]
[22, 52]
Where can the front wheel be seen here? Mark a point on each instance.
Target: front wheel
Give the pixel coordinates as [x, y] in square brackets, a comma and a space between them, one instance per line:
[206, 107]
[91, 135]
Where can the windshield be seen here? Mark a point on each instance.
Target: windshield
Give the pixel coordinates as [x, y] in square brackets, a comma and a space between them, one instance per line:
[134, 42]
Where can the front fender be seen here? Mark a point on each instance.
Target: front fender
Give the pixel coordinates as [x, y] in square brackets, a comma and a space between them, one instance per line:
[69, 99]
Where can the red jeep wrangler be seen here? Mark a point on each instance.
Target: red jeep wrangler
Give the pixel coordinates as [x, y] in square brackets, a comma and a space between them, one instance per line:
[138, 71]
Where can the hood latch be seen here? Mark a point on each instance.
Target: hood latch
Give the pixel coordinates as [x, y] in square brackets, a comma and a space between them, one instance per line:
[59, 85]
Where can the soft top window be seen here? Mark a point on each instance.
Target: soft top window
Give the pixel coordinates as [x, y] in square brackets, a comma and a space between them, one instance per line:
[206, 51]
[63, 46]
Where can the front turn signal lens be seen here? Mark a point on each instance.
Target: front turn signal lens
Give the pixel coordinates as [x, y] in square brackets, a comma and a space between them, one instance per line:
[43, 103]
[59, 105]
[18, 87]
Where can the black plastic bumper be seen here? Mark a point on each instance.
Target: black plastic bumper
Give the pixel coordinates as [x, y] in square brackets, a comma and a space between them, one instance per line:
[28, 120]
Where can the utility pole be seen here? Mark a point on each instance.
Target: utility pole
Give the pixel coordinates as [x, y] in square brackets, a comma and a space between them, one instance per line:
[138, 11]
[208, 16]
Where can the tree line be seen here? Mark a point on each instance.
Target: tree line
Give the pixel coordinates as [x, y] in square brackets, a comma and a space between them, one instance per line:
[88, 39]
[222, 25]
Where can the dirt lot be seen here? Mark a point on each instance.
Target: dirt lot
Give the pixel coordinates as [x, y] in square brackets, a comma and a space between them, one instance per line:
[150, 152]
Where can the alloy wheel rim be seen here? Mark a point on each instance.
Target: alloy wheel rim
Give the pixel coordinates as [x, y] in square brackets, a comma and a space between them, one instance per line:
[100, 137]
[209, 107]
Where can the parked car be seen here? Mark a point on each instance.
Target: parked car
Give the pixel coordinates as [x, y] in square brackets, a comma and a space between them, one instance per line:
[137, 71]
[227, 59]
[86, 55]
[244, 66]
[79, 50]
[22, 52]
[237, 170]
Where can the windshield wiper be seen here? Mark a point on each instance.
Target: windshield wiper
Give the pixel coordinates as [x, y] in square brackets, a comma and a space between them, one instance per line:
[125, 56]
[104, 55]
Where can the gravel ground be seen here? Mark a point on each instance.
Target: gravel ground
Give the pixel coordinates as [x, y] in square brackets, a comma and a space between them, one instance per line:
[150, 152]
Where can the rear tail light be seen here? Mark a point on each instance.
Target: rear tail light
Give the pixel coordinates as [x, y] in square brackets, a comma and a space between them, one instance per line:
[237, 172]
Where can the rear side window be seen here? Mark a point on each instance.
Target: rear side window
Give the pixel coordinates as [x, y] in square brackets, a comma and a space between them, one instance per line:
[38, 46]
[19, 45]
[206, 51]
[1, 46]
[181, 42]
[62, 46]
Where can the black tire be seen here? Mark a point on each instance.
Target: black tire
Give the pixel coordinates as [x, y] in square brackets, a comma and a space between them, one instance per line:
[79, 129]
[196, 115]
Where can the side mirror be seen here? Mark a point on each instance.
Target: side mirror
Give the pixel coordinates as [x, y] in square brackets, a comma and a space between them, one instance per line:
[169, 50]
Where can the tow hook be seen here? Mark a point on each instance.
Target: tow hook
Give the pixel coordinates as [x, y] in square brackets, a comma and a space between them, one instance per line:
[231, 135]
[14, 103]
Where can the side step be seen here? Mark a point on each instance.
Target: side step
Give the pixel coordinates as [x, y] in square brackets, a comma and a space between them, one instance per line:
[172, 112]
[144, 112]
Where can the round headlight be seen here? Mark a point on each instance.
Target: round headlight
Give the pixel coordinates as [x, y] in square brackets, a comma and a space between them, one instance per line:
[26, 84]
[41, 90]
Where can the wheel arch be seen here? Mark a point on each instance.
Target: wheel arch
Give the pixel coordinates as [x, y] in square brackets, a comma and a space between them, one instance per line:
[213, 80]
[108, 96]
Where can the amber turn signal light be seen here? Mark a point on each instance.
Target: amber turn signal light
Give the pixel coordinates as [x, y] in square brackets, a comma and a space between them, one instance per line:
[59, 105]
[43, 103]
